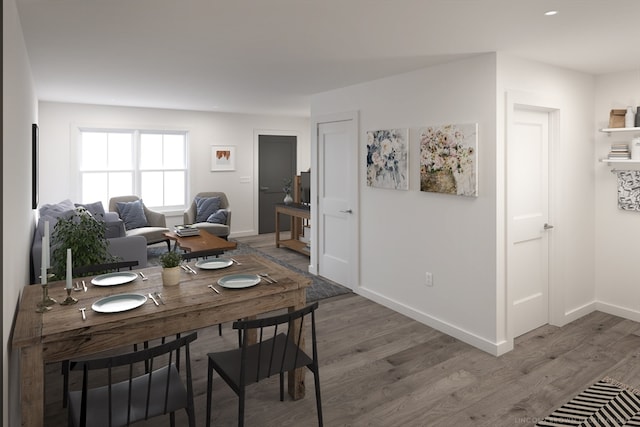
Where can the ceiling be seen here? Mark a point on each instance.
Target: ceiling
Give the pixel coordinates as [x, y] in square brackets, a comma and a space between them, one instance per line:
[270, 56]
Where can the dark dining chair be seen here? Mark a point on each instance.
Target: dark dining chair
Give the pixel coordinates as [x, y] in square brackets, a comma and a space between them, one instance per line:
[274, 353]
[88, 270]
[140, 394]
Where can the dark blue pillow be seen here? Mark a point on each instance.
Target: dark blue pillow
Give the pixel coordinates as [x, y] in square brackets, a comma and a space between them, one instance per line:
[219, 217]
[205, 207]
[132, 213]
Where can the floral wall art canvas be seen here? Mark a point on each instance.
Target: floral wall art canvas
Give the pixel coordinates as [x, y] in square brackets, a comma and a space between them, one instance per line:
[388, 159]
[448, 159]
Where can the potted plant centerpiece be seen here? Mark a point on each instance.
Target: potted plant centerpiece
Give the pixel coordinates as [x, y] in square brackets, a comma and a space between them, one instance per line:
[170, 262]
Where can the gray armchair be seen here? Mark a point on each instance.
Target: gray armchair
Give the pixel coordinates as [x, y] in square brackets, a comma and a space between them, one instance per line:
[217, 229]
[156, 225]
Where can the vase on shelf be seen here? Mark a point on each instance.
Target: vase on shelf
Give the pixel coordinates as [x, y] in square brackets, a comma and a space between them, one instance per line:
[288, 199]
[629, 118]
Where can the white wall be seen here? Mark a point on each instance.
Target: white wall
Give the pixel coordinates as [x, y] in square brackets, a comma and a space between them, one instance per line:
[19, 108]
[572, 180]
[58, 122]
[461, 240]
[406, 233]
[617, 232]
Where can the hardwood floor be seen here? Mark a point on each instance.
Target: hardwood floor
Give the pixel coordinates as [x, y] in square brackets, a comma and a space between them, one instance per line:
[380, 368]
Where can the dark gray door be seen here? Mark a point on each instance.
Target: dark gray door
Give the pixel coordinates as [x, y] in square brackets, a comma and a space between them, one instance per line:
[276, 162]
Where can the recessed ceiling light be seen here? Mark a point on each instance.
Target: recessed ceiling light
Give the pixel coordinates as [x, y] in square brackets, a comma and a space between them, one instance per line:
[551, 12]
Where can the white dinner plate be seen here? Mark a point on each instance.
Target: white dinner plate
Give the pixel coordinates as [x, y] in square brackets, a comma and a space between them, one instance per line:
[214, 263]
[113, 279]
[118, 303]
[239, 281]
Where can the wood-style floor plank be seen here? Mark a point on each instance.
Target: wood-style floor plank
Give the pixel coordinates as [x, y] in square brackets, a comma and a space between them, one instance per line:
[380, 368]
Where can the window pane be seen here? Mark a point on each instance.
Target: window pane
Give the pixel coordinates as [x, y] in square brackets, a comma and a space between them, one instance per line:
[174, 152]
[150, 151]
[151, 184]
[174, 188]
[120, 151]
[94, 188]
[93, 151]
[120, 184]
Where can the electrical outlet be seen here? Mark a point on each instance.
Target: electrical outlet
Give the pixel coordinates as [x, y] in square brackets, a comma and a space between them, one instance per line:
[428, 279]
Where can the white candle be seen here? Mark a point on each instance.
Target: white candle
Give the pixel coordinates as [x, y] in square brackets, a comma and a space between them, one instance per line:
[45, 245]
[43, 269]
[69, 268]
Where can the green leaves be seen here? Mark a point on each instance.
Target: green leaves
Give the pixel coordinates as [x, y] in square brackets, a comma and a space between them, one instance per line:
[85, 236]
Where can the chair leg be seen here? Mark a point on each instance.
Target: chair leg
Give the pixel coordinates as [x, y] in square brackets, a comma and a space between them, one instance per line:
[281, 387]
[65, 385]
[316, 381]
[209, 387]
[168, 245]
[220, 329]
[241, 408]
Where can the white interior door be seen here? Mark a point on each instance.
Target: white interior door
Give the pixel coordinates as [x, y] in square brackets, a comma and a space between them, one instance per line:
[528, 216]
[337, 192]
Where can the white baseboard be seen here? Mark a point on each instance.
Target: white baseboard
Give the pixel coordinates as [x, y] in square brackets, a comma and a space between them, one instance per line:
[470, 338]
[618, 311]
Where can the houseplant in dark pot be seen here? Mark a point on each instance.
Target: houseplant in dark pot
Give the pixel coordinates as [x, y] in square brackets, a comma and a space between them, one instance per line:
[85, 236]
[170, 262]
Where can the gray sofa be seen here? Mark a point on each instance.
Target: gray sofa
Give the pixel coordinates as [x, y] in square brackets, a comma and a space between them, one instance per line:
[126, 248]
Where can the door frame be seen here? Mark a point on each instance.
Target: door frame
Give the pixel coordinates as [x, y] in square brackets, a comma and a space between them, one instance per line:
[536, 102]
[256, 158]
[316, 121]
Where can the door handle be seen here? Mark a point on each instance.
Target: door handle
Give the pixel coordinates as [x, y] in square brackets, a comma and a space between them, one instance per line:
[548, 226]
[264, 188]
[349, 211]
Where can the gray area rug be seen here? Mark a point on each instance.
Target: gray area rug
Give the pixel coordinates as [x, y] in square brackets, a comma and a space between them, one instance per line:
[320, 288]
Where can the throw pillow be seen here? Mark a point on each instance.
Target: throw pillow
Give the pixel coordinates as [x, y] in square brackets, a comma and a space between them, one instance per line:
[57, 209]
[96, 209]
[132, 213]
[52, 212]
[205, 207]
[219, 217]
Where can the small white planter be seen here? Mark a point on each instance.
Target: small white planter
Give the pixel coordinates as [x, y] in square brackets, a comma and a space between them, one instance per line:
[171, 276]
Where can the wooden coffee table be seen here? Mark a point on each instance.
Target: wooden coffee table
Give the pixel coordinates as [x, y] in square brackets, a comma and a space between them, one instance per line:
[202, 245]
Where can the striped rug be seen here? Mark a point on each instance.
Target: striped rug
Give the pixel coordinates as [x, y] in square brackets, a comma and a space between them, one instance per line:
[606, 403]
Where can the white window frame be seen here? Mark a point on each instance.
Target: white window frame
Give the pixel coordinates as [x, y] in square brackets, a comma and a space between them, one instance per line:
[136, 170]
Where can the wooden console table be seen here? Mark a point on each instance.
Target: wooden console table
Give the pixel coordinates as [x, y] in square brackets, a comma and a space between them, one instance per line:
[298, 212]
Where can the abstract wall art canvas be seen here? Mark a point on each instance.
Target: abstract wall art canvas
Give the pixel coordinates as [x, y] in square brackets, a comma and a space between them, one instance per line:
[448, 159]
[388, 159]
[223, 158]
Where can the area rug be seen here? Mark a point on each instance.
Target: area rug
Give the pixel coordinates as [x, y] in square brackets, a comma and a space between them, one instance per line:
[319, 289]
[606, 403]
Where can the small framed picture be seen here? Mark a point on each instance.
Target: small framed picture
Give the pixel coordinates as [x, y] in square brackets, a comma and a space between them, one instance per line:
[223, 158]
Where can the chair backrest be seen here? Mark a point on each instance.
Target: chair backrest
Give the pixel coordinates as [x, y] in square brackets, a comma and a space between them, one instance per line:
[146, 391]
[114, 201]
[154, 218]
[190, 212]
[103, 268]
[276, 351]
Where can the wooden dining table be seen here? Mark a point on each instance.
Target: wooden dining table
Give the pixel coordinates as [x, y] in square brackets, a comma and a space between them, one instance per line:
[61, 333]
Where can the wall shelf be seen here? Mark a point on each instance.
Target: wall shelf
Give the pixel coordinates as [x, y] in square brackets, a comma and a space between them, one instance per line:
[628, 161]
[609, 131]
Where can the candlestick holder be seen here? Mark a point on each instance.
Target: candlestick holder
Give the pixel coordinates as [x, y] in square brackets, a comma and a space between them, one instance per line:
[69, 299]
[45, 305]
